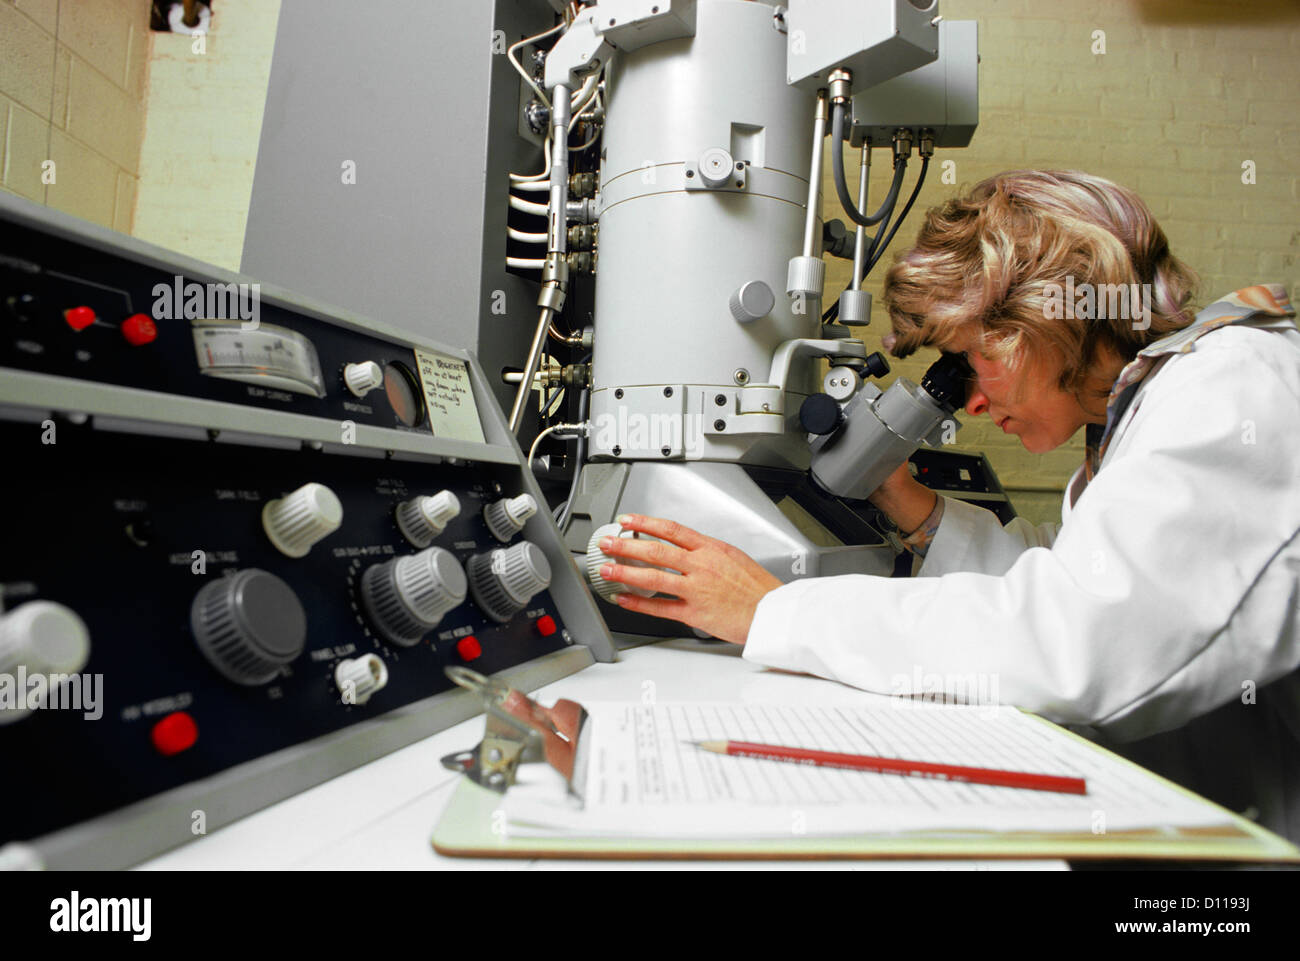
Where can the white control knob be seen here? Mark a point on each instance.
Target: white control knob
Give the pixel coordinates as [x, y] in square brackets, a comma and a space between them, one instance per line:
[596, 558]
[421, 519]
[407, 597]
[42, 638]
[506, 517]
[716, 167]
[296, 522]
[360, 677]
[363, 378]
[504, 580]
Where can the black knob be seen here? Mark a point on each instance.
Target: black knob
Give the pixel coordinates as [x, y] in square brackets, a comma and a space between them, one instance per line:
[23, 306]
[877, 365]
[820, 414]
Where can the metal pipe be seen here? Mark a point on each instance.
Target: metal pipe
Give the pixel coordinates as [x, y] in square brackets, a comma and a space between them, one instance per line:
[551, 298]
[530, 371]
[860, 238]
[815, 178]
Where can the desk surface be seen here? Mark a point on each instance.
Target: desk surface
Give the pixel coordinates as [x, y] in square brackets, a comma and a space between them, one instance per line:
[380, 816]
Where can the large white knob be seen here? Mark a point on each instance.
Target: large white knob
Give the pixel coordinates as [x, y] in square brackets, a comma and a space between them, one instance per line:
[421, 519]
[504, 580]
[296, 522]
[596, 558]
[363, 378]
[42, 638]
[506, 517]
[407, 597]
[360, 677]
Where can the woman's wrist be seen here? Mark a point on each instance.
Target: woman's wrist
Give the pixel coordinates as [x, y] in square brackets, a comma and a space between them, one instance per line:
[906, 502]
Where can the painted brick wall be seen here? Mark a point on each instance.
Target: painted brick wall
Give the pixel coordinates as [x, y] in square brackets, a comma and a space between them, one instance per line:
[72, 91]
[201, 132]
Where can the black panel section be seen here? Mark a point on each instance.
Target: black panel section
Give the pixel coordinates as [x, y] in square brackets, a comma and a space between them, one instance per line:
[42, 277]
[108, 524]
[966, 476]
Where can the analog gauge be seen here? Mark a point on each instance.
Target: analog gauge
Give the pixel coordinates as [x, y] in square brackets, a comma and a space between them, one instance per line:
[266, 355]
[403, 393]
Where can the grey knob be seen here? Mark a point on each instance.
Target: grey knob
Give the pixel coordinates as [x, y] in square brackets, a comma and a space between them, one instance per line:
[752, 301]
[43, 638]
[504, 580]
[716, 166]
[249, 625]
[596, 558]
[421, 519]
[506, 517]
[407, 597]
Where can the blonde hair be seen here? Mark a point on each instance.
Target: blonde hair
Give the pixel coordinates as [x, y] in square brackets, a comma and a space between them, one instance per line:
[989, 264]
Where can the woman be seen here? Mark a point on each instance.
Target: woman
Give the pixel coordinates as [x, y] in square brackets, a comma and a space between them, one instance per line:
[1167, 600]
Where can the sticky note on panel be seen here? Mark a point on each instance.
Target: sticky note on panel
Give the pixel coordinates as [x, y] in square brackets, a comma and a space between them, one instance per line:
[448, 396]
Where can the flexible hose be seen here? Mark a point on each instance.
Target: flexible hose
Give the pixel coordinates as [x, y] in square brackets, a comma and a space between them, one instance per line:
[841, 188]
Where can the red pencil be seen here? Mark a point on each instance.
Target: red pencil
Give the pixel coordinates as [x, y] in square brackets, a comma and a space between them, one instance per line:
[886, 765]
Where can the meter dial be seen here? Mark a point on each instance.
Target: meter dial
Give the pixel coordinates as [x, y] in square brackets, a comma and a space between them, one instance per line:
[266, 355]
[403, 393]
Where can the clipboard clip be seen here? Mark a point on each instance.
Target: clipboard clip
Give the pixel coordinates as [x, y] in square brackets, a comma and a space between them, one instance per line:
[519, 730]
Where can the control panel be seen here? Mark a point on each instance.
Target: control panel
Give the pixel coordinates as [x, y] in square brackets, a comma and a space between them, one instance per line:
[240, 552]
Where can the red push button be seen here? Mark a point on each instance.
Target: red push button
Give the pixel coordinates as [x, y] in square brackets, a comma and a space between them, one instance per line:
[546, 625]
[139, 329]
[175, 733]
[468, 648]
[79, 318]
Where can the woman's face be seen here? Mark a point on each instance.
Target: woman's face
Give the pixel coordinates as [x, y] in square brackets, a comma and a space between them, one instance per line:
[1028, 401]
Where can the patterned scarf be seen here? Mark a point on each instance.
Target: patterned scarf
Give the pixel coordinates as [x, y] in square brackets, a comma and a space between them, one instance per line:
[1264, 305]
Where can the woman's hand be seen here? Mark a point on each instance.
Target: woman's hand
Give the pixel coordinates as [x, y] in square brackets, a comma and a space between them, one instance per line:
[718, 586]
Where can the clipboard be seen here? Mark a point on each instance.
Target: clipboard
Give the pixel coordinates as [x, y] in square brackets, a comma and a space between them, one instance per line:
[474, 824]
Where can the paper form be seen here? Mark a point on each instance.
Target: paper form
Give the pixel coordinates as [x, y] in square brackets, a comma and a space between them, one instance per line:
[645, 780]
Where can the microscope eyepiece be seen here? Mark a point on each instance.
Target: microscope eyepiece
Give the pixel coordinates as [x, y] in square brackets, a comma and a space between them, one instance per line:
[948, 380]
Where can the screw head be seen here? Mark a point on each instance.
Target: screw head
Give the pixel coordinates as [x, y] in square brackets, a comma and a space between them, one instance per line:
[668, 392]
[666, 451]
[720, 399]
[617, 450]
[719, 424]
[618, 394]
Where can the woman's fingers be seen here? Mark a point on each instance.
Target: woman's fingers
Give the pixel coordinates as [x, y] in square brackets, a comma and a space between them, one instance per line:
[647, 578]
[671, 531]
[652, 552]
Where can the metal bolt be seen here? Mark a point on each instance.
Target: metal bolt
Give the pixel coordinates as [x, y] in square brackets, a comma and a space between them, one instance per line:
[719, 425]
[617, 450]
[720, 399]
[668, 392]
[618, 394]
[741, 376]
[666, 451]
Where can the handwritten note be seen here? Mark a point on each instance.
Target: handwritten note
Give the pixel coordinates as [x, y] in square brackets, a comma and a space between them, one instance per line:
[448, 396]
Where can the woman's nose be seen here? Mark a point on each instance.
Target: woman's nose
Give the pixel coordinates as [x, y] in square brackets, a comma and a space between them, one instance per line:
[977, 403]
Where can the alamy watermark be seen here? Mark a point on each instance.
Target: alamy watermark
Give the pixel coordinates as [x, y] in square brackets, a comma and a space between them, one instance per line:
[979, 689]
[1131, 302]
[194, 301]
[22, 692]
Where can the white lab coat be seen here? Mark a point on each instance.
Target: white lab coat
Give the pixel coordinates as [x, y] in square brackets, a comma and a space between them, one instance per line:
[1167, 601]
